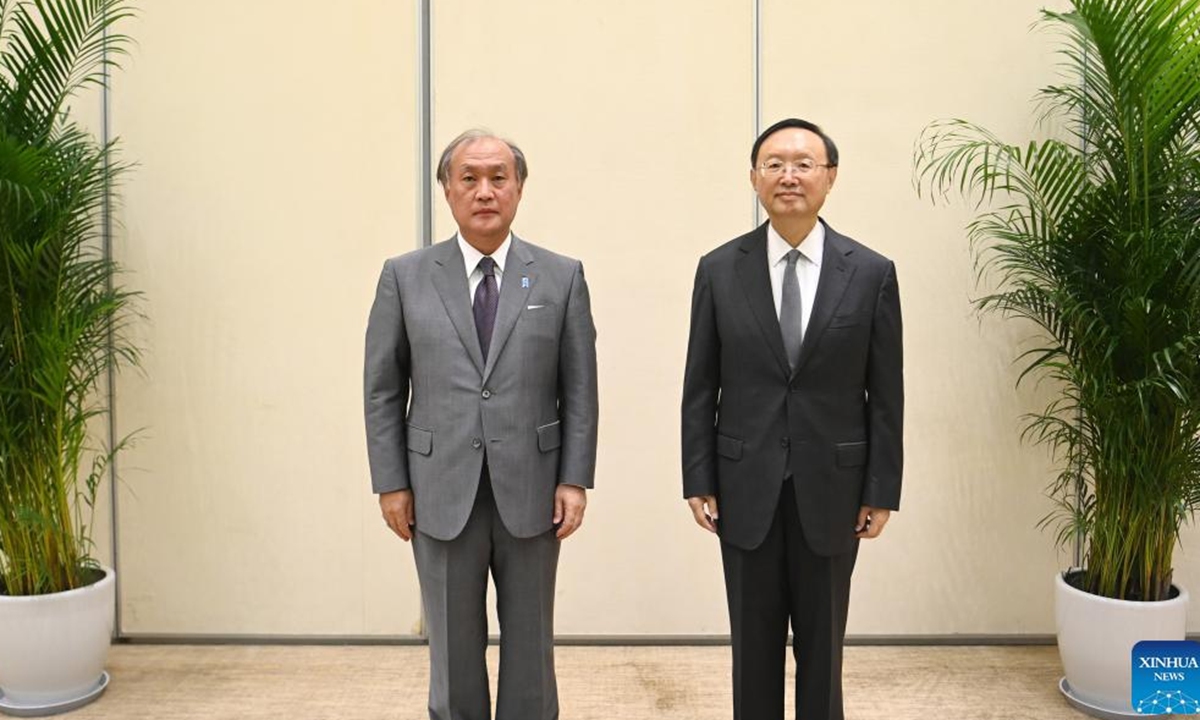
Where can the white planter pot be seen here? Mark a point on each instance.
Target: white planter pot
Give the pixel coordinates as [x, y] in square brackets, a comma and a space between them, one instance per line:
[1096, 636]
[53, 648]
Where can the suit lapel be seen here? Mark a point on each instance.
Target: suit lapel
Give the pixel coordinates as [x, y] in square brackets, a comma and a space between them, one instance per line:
[515, 284]
[450, 280]
[756, 282]
[836, 272]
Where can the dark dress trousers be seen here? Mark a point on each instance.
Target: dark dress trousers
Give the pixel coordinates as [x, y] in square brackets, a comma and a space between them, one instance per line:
[792, 455]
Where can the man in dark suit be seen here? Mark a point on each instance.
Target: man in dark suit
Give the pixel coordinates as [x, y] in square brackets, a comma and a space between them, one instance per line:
[793, 401]
[481, 412]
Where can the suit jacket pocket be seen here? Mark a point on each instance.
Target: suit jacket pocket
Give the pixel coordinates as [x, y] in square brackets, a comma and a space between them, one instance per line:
[852, 454]
[541, 317]
[420, 440]
[849, 320]
[728, 447]
[550, 436]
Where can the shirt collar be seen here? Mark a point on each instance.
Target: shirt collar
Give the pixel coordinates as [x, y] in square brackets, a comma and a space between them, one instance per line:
[812, 247]
[471, 256]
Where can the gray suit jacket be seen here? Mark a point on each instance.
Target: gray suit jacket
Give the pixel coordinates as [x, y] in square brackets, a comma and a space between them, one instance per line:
[433, 407]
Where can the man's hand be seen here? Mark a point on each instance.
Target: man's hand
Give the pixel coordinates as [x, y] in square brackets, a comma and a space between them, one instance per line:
[569, 503]
[870, 522]
[704, 509]
[397, 510]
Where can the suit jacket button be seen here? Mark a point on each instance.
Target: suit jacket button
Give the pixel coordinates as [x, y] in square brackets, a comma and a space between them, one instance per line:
[783, 442]
[486, 394]
[476, 443]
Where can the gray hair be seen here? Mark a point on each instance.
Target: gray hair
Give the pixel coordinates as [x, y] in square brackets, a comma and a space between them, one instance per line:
[470, 136]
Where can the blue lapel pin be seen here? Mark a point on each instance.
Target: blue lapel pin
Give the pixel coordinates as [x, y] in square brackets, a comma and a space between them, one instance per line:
[524, 281]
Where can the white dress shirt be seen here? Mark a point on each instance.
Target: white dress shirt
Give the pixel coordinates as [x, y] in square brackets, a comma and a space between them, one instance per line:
[471, 258]
[808, 268]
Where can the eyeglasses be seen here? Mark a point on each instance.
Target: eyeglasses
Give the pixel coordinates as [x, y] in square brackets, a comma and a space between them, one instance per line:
[776, 168]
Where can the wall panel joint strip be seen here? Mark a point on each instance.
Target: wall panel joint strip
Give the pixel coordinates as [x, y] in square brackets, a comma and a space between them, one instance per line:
[424, 125]
[106, 235]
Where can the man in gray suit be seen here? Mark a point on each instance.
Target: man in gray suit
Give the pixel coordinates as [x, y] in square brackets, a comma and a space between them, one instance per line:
[481, 415]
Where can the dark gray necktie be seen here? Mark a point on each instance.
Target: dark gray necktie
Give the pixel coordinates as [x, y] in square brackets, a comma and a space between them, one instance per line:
[791, 317]
[487, 297]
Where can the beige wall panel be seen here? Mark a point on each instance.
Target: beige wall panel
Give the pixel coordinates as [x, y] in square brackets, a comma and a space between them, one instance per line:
[1187, 569]
[635, 118]
[965, 554]
[277, 168]
[276, 151]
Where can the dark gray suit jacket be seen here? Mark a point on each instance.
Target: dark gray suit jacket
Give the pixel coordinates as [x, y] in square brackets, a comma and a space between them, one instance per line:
[433, 406]
[836, 424]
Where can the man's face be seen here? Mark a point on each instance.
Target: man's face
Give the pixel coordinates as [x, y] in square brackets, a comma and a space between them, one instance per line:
[482, 189]
[793, 194]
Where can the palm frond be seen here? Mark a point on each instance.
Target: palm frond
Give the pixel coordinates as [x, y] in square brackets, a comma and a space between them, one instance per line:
[1097, 243]
[62, 312]
[56, 48]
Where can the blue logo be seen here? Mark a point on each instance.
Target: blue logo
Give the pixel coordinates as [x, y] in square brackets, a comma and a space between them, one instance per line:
[1166, 677]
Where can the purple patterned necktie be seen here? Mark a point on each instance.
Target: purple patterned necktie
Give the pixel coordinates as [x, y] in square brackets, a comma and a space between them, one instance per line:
[487, 297]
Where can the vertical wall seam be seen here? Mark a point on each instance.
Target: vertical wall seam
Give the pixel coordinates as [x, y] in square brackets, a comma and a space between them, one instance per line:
[106, 235]
[425, 163]
[425, 122]
[757, 30]
[1080, 483]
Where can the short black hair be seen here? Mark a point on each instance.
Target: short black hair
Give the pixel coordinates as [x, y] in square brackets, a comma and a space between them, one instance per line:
[830, 148]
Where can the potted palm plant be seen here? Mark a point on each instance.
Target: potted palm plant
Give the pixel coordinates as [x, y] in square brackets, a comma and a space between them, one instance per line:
[1094, 239]
[61, 321]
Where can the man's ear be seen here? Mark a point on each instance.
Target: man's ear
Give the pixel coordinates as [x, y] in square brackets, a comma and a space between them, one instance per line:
[832, 176]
